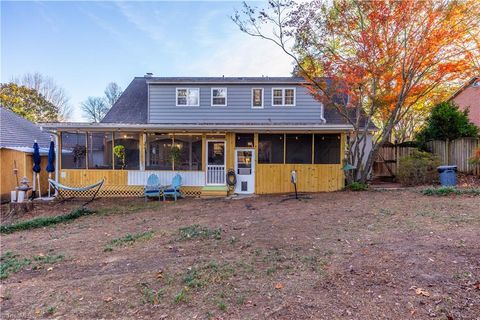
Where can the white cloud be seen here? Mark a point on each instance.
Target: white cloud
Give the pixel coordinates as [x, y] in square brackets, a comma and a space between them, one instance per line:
[240, 55]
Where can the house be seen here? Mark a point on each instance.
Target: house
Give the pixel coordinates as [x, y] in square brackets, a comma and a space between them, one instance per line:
[468, 96]
[16, 141]
[261, 128]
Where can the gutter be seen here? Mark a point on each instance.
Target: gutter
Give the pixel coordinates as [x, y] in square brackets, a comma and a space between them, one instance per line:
[54, 127]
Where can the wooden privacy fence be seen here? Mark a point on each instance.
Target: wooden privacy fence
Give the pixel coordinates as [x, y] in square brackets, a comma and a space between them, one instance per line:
[456, 152]
[387, 163]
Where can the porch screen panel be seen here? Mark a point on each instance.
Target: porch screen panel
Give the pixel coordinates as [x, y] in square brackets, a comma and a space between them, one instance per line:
[189, 151]
[299, 149]
[158, 152]
[244, 140]
[270, 148]
[74, 150]
[327, 149]
[100, 150]
[130, 142]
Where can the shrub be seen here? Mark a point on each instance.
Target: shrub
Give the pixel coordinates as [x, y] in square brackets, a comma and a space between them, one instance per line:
[356, 186]
[418, 168]
[446, 121]
[446, 191]
[475, 159]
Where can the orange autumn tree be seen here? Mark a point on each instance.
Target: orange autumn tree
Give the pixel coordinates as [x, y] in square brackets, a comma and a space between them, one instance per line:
[380, 57]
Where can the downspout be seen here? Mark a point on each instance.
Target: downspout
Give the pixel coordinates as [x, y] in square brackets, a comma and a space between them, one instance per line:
[322, 118]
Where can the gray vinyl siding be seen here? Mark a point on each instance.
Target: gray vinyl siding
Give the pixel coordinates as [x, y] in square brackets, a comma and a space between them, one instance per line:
[163, 109]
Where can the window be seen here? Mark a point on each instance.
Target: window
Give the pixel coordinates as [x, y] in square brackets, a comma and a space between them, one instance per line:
[257, 98]
[189, 151]
[219, 96]
[173, 152]
[299, 148]
[126, 150]
[289, 97]
[74, 150]
[188, 97]
[283, 96]
[244, 140]
[277, 97]
[157, 151]
[99, 150]
[327, 149]
[270, 148]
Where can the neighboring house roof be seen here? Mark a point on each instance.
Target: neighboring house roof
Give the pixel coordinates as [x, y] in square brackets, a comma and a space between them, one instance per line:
[19, 134]
[465, 86]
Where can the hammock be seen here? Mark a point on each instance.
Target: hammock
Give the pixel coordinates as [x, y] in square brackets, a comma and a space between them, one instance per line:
[58, 187]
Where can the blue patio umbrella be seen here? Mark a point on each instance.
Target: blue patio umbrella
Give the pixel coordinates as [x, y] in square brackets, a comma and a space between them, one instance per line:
[36, 166]
[51, 158]
[50, 165]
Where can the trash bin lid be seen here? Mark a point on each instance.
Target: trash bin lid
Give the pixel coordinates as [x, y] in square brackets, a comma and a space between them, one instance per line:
[446, 167]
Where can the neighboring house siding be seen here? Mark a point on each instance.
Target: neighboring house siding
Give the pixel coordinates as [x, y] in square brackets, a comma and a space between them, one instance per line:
[163, 109]
[470, 98]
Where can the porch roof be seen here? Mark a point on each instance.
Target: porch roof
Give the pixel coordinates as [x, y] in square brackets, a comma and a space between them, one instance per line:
[199, 127]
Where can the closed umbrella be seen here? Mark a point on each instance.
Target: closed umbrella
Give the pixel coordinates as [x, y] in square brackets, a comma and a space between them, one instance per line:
[36, 167]
[50, 165]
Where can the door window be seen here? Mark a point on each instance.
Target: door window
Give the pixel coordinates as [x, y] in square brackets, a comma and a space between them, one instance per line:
[216, 153]
[244, 162]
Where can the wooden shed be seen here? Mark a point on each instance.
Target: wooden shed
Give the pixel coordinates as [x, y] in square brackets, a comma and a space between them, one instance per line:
[17, 136]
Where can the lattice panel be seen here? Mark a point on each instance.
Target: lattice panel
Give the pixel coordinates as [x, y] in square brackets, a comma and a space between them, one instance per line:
[125, 191]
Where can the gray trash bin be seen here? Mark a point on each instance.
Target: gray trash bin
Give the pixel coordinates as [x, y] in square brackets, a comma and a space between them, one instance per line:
[448, 175]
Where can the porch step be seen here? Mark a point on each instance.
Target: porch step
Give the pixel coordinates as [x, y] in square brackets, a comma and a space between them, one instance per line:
[214, 191]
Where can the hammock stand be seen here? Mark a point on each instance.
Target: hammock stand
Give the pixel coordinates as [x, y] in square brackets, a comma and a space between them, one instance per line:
[58, 187]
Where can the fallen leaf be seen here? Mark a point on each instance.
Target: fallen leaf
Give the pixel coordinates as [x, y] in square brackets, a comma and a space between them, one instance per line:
[160, 274]
[422, 292]
[108, 299]
[278, 286]
[477, 285]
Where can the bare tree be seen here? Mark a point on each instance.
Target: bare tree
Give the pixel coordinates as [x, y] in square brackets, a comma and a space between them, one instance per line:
[112, 93]
[95, 108]
[50, 90]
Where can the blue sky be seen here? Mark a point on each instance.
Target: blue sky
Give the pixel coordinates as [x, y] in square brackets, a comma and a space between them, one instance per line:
[86, 45]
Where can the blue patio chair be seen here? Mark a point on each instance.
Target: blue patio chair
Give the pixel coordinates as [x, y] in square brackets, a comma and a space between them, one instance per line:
[152, 188]
[173, 190]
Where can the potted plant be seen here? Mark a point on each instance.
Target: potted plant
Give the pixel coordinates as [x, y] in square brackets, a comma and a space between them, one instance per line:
[175, 154]
[78, 153]
[119, 152]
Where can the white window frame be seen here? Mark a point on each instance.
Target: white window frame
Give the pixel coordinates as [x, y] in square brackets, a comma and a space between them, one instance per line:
[263, 93]
[211, 97]
[186, 105]
[283, 97]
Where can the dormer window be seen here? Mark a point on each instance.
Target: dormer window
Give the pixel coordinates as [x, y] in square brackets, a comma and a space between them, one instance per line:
[189, 97]
[283, 97]
[219, 97]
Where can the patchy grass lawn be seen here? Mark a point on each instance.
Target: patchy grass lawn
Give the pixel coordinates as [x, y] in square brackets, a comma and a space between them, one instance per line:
[343, 255]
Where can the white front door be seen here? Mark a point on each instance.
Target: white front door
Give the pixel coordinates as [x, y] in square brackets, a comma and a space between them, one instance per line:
[216, 174]
[245, 171]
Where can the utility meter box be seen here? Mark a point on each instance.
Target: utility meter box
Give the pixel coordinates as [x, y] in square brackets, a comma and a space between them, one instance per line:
[293, 176]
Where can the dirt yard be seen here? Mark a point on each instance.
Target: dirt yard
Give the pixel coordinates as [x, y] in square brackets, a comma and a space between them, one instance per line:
[343, 255]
